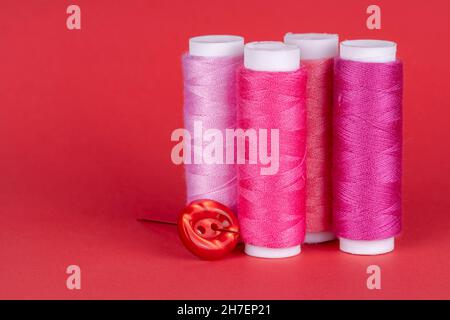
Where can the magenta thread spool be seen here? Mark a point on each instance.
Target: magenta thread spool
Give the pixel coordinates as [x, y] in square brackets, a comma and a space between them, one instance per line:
[318, 51]
[367, 146]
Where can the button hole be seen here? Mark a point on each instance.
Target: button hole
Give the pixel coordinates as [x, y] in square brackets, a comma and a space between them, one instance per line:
[201, 229]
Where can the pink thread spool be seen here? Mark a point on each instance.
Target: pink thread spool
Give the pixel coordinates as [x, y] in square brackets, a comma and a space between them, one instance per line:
[377, 51]
[317, 47]
[271, 57]
[217, 104]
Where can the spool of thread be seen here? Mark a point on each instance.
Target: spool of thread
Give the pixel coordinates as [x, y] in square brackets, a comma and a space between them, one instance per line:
[318, 51]
[210, 100]
[271, 95]
[367, 146]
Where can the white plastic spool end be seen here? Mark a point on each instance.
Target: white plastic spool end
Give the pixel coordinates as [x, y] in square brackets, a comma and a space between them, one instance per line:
[319, 237]
[216, 46]
[314, 46]
[368, 51]
[366, 247]
[271, 56]
[271, 253]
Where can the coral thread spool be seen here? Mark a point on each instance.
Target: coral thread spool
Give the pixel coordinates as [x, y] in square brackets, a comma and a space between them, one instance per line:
[318, 48]
[274, 57]
[371, 51]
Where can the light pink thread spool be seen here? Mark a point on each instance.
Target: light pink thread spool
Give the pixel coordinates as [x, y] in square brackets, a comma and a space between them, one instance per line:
[213, 47]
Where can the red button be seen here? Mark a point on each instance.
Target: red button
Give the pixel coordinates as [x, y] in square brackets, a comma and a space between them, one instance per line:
[208, 229]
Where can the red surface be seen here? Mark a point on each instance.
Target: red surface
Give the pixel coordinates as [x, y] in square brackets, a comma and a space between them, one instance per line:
[85, 121]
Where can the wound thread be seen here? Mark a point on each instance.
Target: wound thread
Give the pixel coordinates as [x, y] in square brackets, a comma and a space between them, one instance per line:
[319, 101]
[272, 207]
[367, 149]
[210, 98]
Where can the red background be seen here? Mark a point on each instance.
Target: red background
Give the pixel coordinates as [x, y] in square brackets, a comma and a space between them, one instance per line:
[85, 123]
